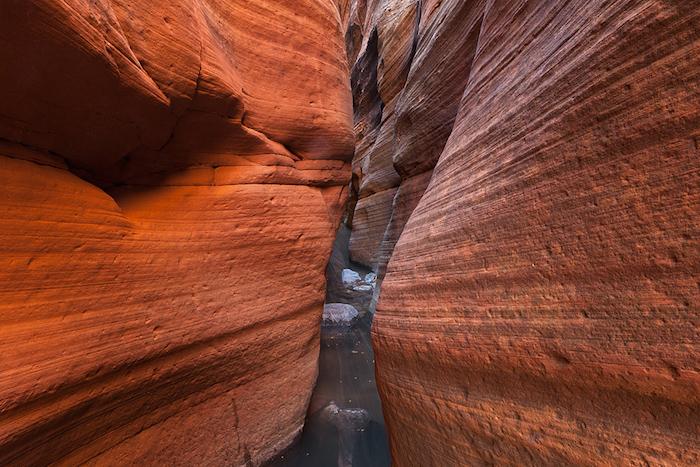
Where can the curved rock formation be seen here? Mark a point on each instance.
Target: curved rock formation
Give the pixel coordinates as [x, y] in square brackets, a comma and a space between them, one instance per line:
[171, 175]
[541, 305]
[526, 175]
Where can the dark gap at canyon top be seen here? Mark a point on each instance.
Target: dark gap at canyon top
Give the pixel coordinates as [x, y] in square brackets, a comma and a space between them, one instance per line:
[517, 182]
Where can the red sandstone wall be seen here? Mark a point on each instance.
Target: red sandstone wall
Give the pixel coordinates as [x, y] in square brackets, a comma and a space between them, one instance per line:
[171, 174]
[541, 305]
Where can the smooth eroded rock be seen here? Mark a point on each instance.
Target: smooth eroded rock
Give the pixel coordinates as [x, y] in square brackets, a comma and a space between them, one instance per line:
[541, 304]
[171, 178]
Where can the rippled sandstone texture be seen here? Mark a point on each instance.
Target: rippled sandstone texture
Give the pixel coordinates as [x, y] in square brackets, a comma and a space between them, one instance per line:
[171, 176]
[536, 164]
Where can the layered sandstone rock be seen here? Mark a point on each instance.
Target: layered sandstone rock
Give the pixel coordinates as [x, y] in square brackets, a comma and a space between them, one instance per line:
[171, 175]
[387, 30]
[430, 51]
[541, 305]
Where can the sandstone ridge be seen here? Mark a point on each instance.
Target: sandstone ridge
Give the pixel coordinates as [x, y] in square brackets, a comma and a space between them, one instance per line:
[172, 174]
[527, 175]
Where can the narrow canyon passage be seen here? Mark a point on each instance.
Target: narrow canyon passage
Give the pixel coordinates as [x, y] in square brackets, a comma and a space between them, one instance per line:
[344, 426]
[201, 200]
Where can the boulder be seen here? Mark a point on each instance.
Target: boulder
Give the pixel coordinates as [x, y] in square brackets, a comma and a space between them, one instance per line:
[339, 314]
[351, 278]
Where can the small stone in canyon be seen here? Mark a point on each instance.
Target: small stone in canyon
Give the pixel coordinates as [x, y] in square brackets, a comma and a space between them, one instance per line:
[339, 314]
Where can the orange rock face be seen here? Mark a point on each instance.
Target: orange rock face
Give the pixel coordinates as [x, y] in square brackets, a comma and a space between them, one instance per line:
[171, 176]
[541, 305]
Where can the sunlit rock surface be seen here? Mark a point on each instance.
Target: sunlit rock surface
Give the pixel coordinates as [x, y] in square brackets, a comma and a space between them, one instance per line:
[536, 164]
[171, 177]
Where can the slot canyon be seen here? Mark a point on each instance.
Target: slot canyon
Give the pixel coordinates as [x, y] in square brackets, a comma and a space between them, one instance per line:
[207, 206]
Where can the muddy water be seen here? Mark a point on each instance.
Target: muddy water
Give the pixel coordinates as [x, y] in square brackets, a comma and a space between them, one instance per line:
[344, 426]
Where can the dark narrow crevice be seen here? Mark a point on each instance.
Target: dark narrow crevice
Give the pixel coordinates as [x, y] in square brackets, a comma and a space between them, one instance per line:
[367, 103]
[344, 425]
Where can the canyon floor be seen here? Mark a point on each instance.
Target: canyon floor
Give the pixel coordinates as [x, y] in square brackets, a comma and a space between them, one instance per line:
[354, 435]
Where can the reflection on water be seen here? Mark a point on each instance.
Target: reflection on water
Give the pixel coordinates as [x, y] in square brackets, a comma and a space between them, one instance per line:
[344, 426]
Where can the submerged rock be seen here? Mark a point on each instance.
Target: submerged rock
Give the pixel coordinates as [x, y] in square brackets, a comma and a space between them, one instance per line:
[351, 419]
[349, 422]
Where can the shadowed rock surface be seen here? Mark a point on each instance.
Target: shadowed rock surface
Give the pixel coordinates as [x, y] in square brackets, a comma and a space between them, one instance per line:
[347, 281]
[536, 165]
[344, 425]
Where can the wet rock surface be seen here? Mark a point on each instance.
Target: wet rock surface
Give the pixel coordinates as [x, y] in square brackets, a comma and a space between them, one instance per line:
[349, 424]
[344, 426]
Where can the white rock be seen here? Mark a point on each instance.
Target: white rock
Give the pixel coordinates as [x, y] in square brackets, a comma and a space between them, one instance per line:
[371, 278]
[351, 277]
[339, 313]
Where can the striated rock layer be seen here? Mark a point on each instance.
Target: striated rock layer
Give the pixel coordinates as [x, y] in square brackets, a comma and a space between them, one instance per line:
[171, 176]
[541, 305]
